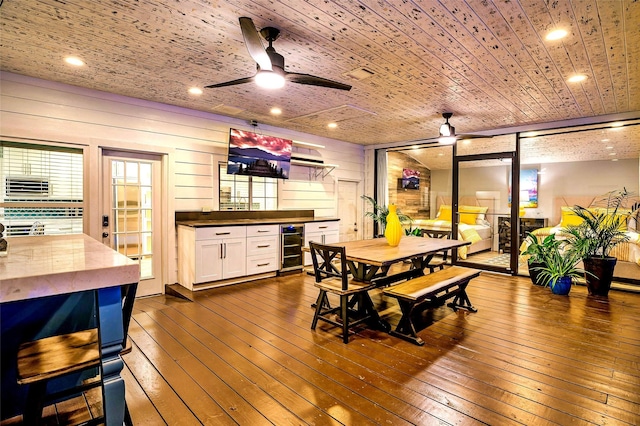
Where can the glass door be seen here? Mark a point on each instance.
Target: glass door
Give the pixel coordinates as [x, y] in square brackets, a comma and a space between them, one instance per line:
[131, 218]
[485, 211]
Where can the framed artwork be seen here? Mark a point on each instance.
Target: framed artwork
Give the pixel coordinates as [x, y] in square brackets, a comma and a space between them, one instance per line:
[528, 188]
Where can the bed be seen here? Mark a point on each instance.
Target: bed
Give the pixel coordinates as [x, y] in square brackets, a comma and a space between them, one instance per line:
[473, 226]
[627, 253]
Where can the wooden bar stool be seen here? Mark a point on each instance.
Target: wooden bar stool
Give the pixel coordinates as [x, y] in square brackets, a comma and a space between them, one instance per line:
[53, 357]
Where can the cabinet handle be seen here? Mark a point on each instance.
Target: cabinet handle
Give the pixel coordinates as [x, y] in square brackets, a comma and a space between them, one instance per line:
[265, 246]
[225, 250]
[263, 230]
[223, 233]
[264, 264]
[221, 252]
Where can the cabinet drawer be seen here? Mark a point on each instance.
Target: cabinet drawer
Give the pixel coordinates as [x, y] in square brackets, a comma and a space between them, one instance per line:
[262, 230]
[220, 232]
[321, 226]
[262, 245]
[262, 264]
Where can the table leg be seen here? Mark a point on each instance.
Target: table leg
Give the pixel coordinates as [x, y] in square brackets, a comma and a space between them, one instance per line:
[110, 329]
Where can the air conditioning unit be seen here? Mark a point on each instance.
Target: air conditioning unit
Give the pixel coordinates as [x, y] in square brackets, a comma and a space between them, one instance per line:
[306, 158]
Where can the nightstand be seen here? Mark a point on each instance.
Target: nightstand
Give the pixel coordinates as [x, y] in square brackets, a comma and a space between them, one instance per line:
[527, 224]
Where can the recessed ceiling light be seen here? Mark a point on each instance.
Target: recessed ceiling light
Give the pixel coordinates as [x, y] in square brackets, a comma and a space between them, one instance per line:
[617, 124]
[556, 35]
[614, 159]
[276, 111]
[72, 60]
[612, 153]
[195, 91]
[332, 125]
[577, 78]
[604, 140]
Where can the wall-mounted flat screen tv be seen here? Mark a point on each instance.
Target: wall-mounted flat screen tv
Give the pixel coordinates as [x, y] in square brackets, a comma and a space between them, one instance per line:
[252, 154]
[410, 179]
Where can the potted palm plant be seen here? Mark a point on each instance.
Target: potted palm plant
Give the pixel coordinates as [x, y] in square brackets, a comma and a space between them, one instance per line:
[602, 228]
[537, 251]
[559, 268]
[380, 213]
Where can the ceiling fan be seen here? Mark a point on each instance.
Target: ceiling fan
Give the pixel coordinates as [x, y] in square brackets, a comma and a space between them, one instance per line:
[271, 73]
[448, 133]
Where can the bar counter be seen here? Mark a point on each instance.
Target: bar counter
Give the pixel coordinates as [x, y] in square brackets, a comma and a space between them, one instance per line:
[40, 266]
[51, 284]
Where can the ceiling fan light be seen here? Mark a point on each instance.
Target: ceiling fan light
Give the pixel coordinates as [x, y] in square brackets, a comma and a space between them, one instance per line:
[447, 140]
[269, 79]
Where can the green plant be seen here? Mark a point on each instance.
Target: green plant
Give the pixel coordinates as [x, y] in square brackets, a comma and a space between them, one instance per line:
[380, 212]
[559, 262]
[416, 232]
[538, 250]
[602, 228]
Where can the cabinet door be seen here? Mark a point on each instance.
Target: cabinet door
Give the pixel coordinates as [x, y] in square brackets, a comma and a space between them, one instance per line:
[234, 257]
[331, 237]
[316, 237]
[208, 260]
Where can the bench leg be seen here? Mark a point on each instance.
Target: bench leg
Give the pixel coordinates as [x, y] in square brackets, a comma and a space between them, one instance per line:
[405, 328]
[461, 300]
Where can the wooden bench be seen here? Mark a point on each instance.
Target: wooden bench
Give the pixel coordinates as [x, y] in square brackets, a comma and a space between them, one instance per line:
[427, 291]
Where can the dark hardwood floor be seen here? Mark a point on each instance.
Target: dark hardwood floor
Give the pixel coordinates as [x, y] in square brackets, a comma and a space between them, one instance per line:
[245, 355]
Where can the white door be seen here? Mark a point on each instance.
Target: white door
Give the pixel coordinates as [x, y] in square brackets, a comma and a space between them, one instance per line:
[348, 210]
[131, 213]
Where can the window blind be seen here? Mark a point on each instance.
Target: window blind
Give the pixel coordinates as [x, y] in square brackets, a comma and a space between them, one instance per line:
[42, 189]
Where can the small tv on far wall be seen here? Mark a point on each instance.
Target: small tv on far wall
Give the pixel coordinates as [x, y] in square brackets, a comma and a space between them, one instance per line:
[252, 154]
[410, 179]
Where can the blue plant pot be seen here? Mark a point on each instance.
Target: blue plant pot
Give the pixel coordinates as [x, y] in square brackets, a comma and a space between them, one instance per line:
[562, 286]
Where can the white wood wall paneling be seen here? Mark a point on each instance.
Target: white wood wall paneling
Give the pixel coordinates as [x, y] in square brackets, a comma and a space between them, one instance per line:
[194, 141]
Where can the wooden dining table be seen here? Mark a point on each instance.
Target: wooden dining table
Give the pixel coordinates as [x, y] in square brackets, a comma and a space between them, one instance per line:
[369, 260]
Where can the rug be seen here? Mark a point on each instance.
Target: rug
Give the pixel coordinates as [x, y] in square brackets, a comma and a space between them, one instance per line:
[499, 260]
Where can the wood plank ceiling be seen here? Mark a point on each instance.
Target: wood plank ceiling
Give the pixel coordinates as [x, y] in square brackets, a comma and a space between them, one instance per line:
[486, 61]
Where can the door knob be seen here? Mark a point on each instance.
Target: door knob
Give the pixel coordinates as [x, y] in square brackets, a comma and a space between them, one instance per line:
[105, 235]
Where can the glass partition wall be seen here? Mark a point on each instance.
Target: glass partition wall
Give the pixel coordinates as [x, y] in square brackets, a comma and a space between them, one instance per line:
[515, 184]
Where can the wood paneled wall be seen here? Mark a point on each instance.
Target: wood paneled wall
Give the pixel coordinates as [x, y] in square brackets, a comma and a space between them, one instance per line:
[192, 144]
[414, 203]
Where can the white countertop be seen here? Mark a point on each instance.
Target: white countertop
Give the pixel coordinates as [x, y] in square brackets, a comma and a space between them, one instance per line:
[39, 266]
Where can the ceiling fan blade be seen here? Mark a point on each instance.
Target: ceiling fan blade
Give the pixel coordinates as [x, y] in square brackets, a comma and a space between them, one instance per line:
[471, 136]
[315, 81]
[254, 44]
[230, 83]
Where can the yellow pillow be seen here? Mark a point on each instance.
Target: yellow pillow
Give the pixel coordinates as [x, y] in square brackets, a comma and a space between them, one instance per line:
[470, 234]
[444, 213]
[622, 215]
[469, 214]
[569, 218]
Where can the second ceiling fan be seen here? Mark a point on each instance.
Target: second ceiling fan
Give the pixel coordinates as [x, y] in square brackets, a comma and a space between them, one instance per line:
[270, 64]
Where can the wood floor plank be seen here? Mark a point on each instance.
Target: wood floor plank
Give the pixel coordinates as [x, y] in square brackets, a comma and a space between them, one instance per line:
[150, 366]
[481, 389]
[142, 410]
[391, 387]
[509, 363]
[247, 391]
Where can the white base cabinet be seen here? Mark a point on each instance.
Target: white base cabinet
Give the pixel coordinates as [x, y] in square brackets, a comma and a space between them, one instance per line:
[320, 232]
[262, 249]
[220, 253]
